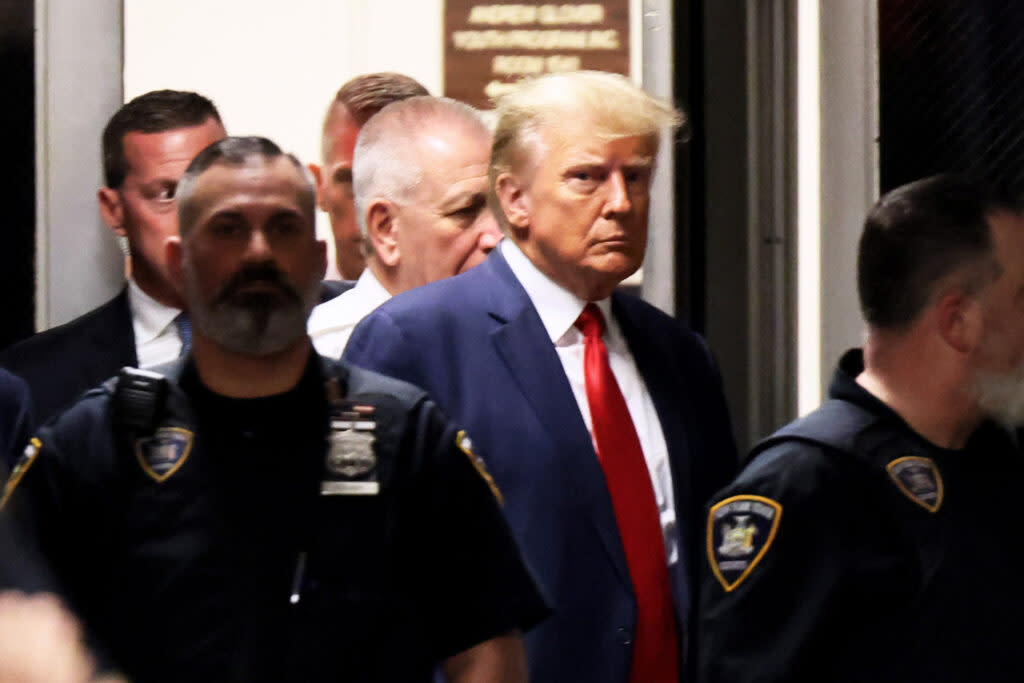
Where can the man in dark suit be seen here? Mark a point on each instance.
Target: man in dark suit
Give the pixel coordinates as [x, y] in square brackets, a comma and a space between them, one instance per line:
[147, 146]
[600, 418]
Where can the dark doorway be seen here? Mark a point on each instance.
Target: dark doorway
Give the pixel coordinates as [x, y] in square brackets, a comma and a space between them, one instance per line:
[951, 89]
[17, 180]
[688, 86]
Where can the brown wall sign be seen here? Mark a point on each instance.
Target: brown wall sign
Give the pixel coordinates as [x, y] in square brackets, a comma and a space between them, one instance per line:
[487, 47]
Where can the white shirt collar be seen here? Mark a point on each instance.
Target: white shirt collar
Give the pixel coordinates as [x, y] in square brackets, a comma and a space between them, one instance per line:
[557, 307]
[150, 318]
[346, 309]
[369, 284]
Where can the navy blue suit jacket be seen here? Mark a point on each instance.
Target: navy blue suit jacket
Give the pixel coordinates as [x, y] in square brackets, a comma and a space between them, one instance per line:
[64, 362]
[477, 345]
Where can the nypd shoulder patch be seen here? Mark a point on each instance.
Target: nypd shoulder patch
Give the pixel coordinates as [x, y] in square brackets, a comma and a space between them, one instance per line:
[740, 531]
[163, 453]
[919, 479]
[25, 460]
[465, 445]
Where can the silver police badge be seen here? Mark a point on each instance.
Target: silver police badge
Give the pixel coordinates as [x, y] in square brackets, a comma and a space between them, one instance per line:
[351, 453]
[351, 464]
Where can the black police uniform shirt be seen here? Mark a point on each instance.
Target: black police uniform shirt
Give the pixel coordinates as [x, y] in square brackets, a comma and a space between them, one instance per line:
[206, 550]
[895, 561]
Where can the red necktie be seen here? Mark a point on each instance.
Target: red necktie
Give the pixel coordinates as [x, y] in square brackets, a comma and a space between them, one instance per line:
[655, 649]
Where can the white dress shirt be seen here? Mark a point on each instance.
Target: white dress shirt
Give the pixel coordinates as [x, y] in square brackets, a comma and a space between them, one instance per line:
[331, 323]
[156, 335]
[558, 309]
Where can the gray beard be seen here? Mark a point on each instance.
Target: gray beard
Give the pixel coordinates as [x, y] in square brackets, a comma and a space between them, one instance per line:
[257, 325]
[1001, 396]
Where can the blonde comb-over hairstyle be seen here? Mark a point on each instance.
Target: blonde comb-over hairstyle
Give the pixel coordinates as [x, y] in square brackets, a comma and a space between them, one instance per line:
[610, 103]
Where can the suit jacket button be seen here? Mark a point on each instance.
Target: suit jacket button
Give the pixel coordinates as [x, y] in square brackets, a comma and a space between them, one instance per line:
[623, 636]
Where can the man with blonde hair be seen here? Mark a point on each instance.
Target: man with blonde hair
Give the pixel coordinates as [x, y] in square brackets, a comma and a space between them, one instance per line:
[600, 418]
[420, 185]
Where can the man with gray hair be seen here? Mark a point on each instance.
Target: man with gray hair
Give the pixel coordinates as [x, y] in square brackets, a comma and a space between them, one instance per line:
[601, 419]
[256, 512]
[355, 102]
[420, 180]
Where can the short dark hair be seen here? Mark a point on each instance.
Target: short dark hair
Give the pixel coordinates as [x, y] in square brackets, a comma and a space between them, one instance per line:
[918, 235]
[234, 151]
[153, 112]
[365, 95]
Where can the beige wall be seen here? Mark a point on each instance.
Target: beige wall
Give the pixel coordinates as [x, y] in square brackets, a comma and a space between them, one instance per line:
[78, 61]
[272, 67]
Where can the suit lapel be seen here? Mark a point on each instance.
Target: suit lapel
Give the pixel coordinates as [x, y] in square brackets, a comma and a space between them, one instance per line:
[114, 338]
[108, 342]
[672, 402]
[522, 343]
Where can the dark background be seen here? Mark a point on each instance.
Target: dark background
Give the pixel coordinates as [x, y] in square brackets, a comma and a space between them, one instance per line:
[17, 180]
[951, 89]
[691, 223]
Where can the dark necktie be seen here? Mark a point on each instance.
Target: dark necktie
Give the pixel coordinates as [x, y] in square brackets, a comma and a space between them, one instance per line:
[184, 325]
[655, 648]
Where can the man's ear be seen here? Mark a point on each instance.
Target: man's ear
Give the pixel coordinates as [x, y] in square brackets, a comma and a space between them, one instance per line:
[959, 320]
[317, 172]
[174, 252]
[382, 231]
[513, 199]
[112, 210]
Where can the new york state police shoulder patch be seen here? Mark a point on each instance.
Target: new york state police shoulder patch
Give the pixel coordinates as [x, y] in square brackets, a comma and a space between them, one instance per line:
[740, 531]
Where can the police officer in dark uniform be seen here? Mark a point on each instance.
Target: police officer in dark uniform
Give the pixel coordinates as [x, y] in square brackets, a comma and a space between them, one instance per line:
[873, 540]
[256, 512]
